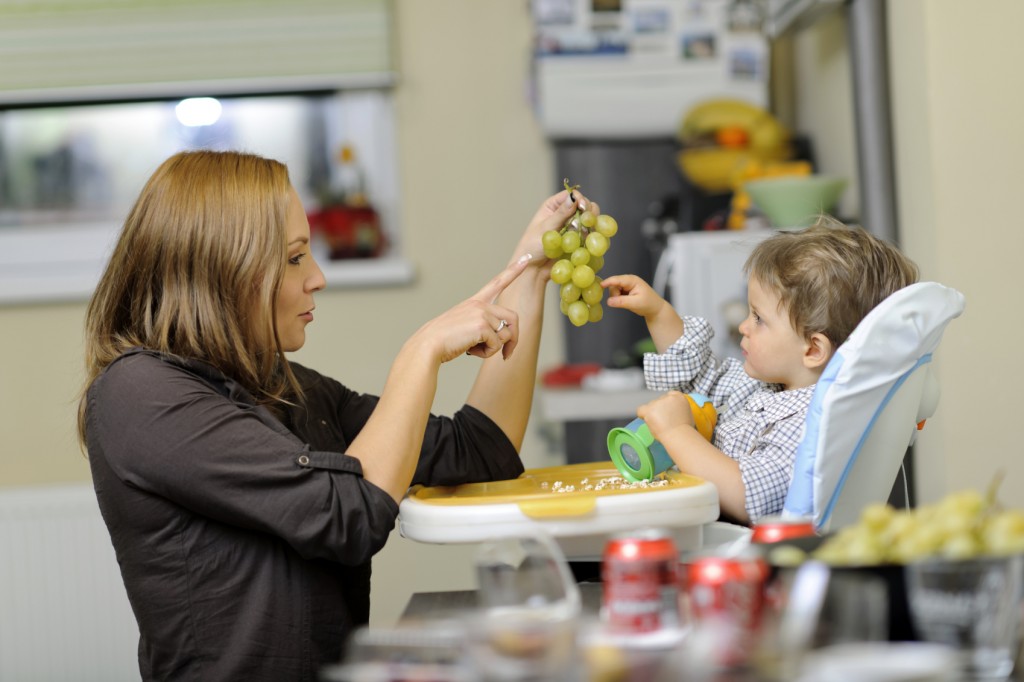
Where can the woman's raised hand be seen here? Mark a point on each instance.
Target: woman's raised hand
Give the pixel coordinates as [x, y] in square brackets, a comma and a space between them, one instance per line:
[553, 214]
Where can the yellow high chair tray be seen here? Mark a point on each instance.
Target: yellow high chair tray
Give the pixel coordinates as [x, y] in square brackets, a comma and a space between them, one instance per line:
[579, 505]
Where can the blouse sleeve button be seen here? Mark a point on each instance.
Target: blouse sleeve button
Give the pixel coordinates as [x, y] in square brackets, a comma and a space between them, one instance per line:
[304, 460]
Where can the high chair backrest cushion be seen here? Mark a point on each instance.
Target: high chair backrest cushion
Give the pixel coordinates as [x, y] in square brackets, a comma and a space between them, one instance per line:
[866, 407]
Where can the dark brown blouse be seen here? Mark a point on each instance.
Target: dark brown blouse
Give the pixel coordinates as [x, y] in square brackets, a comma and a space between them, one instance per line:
[244, 538]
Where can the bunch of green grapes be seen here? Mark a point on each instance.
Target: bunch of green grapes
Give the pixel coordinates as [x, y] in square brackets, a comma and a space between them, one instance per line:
[578, 251]
[963, 525]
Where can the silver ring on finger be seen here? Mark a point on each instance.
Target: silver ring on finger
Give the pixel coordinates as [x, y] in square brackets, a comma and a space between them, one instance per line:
[501, 325]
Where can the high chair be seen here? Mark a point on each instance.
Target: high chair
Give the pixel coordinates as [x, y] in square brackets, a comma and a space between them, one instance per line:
[867, 408]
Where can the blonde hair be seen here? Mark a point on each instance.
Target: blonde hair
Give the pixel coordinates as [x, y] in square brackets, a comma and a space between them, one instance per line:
[196, 271]
[829, 275]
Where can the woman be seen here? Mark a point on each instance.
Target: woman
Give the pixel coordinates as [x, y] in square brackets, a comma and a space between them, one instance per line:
[245, 494]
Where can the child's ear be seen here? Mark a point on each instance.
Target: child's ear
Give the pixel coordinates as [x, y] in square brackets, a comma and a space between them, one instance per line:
[818, 351]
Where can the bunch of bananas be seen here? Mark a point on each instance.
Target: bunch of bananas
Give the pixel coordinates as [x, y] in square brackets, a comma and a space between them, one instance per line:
[721, 136]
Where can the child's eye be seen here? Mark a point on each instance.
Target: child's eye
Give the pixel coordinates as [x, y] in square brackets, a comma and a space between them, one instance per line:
[297, 258]
[755, 317]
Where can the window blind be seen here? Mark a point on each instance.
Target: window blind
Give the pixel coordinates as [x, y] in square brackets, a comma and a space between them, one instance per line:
[80, 50]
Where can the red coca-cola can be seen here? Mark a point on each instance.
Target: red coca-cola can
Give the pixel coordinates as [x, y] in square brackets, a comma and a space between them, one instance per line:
[728, 593]
[640, 575]
[777, 528]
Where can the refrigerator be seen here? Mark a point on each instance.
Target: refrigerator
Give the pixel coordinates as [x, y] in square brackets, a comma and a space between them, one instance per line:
[636, 182]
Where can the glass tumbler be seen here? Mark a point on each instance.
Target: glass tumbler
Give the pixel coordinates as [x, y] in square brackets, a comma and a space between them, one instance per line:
[530, 606]
[972, 605]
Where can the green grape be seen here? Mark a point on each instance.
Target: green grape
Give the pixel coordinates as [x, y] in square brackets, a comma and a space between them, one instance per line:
[570, 241]
[596, 262]
[580, 256]
[597, 243]
[960, 546]
[551, 240]
[594, 293]
[569, 292]
[587, 219]
[955, 523]
[898, 527]
[787, 556]
[583, 276]
[606, 225]
[554, 253]
[596, 313]
[578, 313]
[877, 516]
[563, 306]
[1003, 533]
[965, 502]
[561, 271]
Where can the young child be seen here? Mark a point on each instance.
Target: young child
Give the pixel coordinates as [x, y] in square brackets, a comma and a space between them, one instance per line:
[806, 291]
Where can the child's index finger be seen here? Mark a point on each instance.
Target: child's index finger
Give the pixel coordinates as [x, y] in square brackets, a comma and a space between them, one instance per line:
[491, 290]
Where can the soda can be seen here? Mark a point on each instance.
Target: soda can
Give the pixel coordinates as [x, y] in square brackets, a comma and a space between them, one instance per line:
[777, 529]
[727, 594]
[640, 577]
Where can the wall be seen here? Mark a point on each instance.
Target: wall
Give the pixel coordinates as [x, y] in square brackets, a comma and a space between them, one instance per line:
[959, 112]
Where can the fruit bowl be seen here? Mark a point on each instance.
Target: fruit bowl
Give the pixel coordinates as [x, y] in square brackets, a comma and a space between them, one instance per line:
[711, 168]
[792, 202]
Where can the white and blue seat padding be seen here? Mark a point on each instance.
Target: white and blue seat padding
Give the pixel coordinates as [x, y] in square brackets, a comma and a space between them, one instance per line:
[868, 404]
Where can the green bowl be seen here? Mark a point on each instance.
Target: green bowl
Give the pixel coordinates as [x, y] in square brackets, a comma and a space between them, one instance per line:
[795, 201]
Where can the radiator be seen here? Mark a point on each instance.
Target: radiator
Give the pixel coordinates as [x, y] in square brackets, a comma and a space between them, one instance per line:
[64, 614]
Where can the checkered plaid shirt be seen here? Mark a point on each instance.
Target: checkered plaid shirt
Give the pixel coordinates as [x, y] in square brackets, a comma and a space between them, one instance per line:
[759, 425]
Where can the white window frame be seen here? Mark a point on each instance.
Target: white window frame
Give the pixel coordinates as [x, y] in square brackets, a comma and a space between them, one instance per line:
[63, 262]
[128, 50]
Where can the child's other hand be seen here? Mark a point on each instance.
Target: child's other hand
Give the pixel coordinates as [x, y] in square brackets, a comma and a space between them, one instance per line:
[634, 294]
[666, 413]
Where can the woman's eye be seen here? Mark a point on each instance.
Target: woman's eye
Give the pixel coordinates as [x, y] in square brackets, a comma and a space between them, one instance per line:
[297, 258]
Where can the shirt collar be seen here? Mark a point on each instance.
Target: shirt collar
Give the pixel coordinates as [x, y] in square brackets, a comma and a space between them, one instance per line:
[777, 405]
[213, 376]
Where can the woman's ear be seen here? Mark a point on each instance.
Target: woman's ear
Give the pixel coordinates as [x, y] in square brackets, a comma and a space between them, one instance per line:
[817, 352]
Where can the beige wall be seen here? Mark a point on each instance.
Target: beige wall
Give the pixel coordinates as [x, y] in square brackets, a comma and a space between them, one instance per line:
[959, 112]
[474, 165]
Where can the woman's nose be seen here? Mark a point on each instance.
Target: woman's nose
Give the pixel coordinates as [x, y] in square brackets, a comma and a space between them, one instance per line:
[316, 280]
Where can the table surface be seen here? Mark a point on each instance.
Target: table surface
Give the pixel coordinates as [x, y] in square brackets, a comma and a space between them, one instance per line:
[432, 604]
[423, 605]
